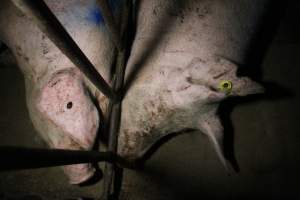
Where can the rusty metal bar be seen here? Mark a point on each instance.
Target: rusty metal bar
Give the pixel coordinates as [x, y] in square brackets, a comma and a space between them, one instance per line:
[39, 12]
[110, 23]
[16, 158]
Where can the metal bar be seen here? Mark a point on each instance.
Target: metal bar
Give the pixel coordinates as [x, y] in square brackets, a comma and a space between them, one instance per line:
[39, 12]
[15, 158]
[110, 23]
[109, 174]
[115, 120]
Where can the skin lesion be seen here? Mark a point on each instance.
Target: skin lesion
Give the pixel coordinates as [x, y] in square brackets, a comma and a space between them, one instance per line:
[64, 102]
[70, 117]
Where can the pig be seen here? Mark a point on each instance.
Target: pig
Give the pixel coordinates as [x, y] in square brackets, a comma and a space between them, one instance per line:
[184, 53]
[63, 105]
[183, 63]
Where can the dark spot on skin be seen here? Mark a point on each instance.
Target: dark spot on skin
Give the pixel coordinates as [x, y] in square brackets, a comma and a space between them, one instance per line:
[220, 75]
[19, 52]
[213, 89]
[53, 84]
[152, 103]
[183, 88]
[189, 80]
[182, 18]
[69, 105]
[154, 12]
[45, 51]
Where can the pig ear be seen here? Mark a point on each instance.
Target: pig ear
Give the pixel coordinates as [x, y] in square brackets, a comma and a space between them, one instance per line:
[241, 86]
[213, 128]
[245, 86]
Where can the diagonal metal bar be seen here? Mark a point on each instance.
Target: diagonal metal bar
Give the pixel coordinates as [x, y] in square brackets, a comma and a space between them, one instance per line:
[39, 12]
[110, 23]
[15, 158]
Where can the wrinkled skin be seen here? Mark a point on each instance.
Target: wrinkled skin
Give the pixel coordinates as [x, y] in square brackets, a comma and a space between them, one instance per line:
[181, 53]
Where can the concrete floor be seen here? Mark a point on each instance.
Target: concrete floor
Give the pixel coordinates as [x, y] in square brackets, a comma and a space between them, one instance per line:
[265, 138]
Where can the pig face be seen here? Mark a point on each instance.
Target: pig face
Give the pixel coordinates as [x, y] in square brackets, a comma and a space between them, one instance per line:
[66, 107]
[65, 101]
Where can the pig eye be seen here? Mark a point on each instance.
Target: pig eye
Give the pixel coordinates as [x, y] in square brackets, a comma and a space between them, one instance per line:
[225, 86]
[69, 105]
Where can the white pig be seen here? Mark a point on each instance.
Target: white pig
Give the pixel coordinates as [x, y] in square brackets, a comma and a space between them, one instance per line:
[59, 98]
[184, 53]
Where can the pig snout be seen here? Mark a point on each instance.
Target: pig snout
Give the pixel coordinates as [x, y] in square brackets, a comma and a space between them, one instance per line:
[70, 117]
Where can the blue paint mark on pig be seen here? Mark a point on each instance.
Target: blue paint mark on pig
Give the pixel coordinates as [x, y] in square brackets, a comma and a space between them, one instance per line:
[95, 15]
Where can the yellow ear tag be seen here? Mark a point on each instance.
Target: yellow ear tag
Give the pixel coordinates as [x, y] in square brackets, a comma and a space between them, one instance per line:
[225, 86]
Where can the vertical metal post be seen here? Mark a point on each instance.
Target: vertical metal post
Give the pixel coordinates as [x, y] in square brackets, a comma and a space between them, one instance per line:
[110, 176]
[110, 168]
